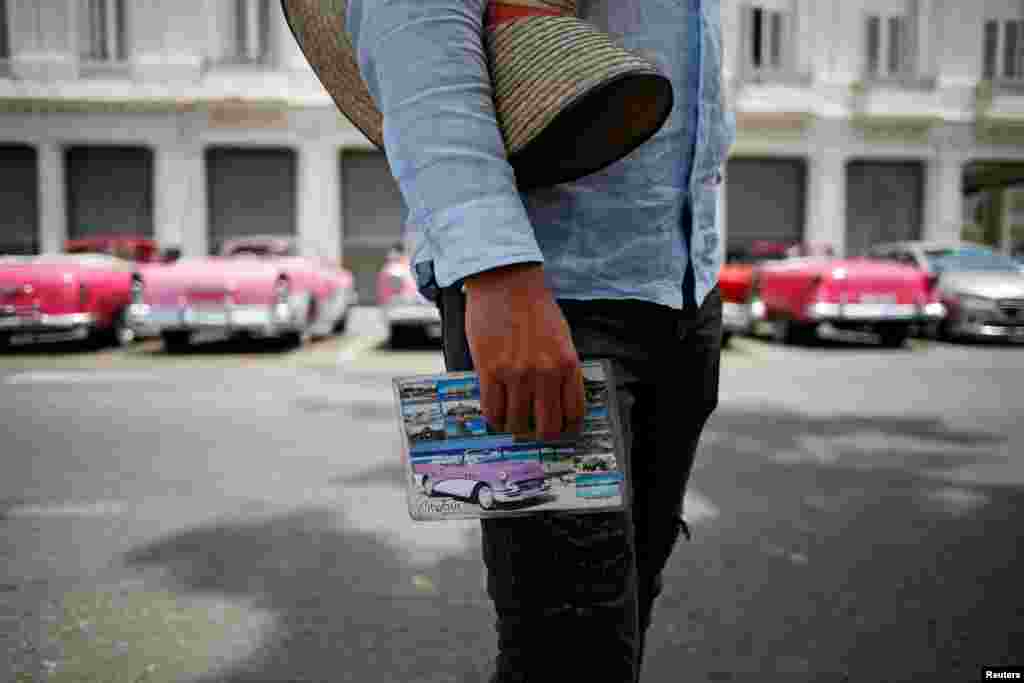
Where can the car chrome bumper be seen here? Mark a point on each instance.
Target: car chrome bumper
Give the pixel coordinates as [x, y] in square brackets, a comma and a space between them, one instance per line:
[255, 319]
[43, 322]
[869, 313]
[990, 331]
[508, 496]
[736, 317]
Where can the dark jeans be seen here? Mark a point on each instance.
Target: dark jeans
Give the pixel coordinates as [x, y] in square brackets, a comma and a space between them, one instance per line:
[573, 593]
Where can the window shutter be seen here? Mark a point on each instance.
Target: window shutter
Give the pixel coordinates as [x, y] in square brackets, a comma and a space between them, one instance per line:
[1010, 49]
[778, 49]
[746, 38]
[5, 47]
[895, 47]
[874, 40]
[757, 37]
[120, 34]
[990, 40]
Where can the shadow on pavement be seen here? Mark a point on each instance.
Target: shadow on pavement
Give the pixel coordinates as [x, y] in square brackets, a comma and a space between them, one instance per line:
[862, 565]
[837, 554]
[347, 606]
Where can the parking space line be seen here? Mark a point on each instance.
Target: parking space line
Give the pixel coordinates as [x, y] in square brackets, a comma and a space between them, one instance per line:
[77, 377]
[358, 347]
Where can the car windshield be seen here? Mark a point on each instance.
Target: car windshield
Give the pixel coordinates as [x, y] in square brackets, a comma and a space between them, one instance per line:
[969, 259]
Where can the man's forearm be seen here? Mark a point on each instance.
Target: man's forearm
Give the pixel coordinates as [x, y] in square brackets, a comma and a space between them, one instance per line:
[427, 70]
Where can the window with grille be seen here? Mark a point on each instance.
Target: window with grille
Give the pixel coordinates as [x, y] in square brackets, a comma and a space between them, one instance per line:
[889, 48]
[766, 39]
[5, 44]
[101, 31]
[1004, 50]
[248, 40]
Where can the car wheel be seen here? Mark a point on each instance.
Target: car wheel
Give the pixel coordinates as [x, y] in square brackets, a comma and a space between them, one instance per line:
[121, 334]
[176, 341]
[484, 497]
[5, 341]
[894, 337]
[290, 340]
[791, 332]
[341, 323]
[402, 335]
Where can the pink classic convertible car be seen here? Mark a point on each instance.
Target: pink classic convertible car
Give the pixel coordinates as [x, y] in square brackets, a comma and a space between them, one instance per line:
[405, 311]
[256, 286]
[486, 476]
[803, 297]
[66, 297]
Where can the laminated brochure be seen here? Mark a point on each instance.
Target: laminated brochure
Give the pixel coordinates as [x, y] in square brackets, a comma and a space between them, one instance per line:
[457, 466]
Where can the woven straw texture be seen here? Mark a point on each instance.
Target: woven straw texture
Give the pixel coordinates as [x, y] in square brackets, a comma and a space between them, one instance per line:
[539, 66]
[319, 27]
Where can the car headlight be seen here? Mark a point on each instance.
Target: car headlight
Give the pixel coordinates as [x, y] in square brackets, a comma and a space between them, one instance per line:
[976, 303]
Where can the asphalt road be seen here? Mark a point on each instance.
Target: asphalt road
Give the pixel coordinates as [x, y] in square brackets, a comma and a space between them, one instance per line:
[235, 514]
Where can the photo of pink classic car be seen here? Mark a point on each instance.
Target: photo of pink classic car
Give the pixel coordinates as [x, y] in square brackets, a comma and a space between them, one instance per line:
[407, 313]
[801, 298]
[66, 297]
[485, 476]
[256, 286]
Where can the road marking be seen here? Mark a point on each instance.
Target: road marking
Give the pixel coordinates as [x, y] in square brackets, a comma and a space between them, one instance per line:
[99, 508]
[77, 377]
[358, 347]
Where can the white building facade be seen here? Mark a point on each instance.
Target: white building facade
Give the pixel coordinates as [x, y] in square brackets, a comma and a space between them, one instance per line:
[194, 121]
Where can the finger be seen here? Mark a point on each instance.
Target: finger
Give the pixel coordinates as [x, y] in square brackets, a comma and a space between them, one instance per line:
[547, 405]
[573, 401]
[519, 394]
[492, 402]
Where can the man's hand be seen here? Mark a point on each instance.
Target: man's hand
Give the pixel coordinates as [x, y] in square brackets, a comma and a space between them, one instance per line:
[523, 353]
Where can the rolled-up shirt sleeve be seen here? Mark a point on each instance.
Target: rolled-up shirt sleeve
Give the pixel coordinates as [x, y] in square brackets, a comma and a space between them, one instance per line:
[425, 66]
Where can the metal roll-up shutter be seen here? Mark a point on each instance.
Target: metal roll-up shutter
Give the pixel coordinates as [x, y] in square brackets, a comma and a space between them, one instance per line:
[19, 197]
[251, 192]
[765, 200]
[374, 215]
[884, 203]
[110, 190]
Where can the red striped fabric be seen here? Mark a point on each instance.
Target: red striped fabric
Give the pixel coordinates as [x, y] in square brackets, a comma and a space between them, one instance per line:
[501, 13]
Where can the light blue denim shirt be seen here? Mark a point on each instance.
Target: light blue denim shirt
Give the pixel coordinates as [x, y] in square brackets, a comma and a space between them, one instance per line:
[620, 233]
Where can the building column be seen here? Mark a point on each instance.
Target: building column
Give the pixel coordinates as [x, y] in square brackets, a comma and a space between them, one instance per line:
[179, 211]
[825, 220]
[53, 215]
[319, 192]
[1010, 195]
[923, 33]
[944, 199]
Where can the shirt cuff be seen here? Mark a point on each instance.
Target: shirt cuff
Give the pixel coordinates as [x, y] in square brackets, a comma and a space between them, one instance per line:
[480, 235]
